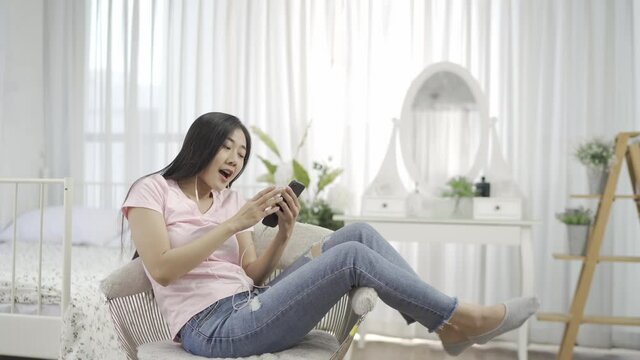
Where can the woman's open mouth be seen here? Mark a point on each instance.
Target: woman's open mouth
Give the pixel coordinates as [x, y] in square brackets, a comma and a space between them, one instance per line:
[226, 174]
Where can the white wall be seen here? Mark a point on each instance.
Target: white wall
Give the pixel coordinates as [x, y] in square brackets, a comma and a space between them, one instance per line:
[21, 92]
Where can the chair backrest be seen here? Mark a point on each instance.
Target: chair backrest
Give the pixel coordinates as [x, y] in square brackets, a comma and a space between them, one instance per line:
[138, 320]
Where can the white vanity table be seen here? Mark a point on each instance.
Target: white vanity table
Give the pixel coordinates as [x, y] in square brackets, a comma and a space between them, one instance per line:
[507, 232]
[445, 132]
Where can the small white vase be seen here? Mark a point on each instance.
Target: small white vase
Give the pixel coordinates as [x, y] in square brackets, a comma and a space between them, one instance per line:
[597, 178]
[414, 204]
[463, 208]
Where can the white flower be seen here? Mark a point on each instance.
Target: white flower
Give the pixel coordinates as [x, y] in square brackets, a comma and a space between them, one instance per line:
[595, 153]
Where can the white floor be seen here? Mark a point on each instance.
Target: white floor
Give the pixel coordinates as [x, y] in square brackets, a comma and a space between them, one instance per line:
[383, 348]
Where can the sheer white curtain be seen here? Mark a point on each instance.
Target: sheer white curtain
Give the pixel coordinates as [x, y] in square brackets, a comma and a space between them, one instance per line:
[147, 69]
[555, 73]
[577, 81]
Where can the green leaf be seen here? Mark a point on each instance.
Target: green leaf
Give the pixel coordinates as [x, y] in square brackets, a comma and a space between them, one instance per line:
[575, 216]
[318, 212]
[327, 179]
[271, 167]
[266, 140]
[300, 174]
[459, 187]
[266, 178]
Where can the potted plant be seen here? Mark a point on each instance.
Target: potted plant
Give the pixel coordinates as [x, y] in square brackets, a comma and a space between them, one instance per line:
[461, 190]
[578, 221]
[314, 207]
[596, 154]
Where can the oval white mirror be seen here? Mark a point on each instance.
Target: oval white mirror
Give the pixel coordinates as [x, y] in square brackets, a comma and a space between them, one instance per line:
[444, 126]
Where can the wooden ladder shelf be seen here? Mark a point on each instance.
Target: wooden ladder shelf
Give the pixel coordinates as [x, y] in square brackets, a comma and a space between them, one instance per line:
[623, 149]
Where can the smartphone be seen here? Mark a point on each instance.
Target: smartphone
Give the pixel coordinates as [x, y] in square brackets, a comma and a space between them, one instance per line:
[272, 220]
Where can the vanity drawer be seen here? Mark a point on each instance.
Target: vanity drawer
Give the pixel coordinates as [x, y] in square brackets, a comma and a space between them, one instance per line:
[497, 208]
[383, 206]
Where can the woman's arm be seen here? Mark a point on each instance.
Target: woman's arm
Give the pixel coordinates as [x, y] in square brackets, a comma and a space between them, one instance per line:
[259, 268]
[166, 264]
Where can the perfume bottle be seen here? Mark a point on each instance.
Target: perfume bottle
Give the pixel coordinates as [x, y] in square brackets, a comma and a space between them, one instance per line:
[483, 188]
[414, 202]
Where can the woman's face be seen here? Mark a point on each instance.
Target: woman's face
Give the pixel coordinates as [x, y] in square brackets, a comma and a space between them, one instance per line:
[227, 163]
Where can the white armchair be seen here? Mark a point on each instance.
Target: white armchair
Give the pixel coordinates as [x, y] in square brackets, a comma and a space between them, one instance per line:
[143, 333]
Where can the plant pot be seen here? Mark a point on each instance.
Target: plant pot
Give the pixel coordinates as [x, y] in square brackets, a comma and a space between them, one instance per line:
[577, 236]
[462, 208]
[597, 178]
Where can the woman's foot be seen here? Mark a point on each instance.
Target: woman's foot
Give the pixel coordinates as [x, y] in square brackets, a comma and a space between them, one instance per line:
[454, 341]
[476, 324]
[516, 312]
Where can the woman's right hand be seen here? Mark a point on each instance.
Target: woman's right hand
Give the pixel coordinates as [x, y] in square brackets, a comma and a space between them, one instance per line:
[261, 205]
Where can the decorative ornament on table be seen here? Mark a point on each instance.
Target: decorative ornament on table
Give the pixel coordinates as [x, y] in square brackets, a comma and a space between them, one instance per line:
[500, 197]
[483, 188]
[461, 190]
[314, 205]
[386, 195]
[414, 202]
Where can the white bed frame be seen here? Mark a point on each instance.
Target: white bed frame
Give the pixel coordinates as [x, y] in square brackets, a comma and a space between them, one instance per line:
[38, 335]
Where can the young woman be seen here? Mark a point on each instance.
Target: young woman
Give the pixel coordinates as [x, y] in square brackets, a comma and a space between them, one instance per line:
[193, 235]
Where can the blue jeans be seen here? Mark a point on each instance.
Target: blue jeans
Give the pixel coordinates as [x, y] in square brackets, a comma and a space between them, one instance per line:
[279, 316]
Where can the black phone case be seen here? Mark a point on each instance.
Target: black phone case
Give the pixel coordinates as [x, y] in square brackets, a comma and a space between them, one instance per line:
[272, 220]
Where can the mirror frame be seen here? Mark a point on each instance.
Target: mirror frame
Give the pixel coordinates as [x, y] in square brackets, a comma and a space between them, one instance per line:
[406, 117]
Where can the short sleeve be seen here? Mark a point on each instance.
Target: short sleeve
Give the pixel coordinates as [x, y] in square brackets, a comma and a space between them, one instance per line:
[149, 192]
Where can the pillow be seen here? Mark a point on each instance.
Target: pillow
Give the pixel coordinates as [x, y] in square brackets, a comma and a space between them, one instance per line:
[88, 226]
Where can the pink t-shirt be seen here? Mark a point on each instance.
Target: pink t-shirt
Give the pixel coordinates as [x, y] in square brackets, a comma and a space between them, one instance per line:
[219, 276]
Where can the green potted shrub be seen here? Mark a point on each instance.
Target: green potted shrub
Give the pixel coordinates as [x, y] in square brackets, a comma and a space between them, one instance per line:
[314, 207]
[596, 154]
[460, 189]
[578, 221]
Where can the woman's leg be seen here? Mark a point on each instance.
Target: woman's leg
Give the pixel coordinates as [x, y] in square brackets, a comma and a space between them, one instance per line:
[371, 238]
[368, 236]
[281, 315]
[361, 233]
[357, 232]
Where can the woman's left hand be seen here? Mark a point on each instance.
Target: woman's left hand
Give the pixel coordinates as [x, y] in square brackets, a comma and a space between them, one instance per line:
[290, 208]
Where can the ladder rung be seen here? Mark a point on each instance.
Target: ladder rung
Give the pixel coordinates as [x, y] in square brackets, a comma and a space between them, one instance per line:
[612, 320]
[623, 150]
[558, 317]
[628, 259]
[597, 196]
[601, 320]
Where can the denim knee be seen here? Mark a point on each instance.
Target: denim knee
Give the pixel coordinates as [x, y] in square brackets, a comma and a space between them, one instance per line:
[360, 227]
[356, 232]
[351, 252]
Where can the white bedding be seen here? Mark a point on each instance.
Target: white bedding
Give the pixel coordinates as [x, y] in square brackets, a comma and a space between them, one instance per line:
[87, 331]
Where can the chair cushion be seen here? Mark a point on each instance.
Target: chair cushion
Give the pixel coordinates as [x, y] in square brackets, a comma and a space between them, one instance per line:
[317, 345]
[130, 279]
[303, 236]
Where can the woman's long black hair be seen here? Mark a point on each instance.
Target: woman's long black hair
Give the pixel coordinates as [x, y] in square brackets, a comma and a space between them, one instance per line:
[204, 139]
[202, 142]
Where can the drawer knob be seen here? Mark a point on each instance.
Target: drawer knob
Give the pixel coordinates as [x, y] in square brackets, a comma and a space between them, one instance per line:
[497, 208]
[384, 205]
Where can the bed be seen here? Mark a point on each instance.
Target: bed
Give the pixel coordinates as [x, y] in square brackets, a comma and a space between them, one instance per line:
[51, 265]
